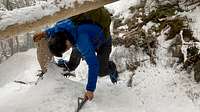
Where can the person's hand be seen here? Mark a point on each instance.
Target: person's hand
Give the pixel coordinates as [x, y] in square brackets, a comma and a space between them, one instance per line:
[63, 63]
[38, 36]
[89, 95]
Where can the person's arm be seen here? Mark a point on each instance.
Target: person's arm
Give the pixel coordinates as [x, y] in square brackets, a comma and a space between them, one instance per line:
[88, 53]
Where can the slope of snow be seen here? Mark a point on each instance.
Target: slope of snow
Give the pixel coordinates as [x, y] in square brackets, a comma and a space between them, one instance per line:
[155, 89]
[20, 64]
[121, 7]
[53, 93]
[159, 88]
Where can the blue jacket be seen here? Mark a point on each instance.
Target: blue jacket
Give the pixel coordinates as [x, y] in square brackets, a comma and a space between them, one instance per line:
[87, 38]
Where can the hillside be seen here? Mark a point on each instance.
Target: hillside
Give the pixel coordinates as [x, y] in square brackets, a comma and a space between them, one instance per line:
[156, 56]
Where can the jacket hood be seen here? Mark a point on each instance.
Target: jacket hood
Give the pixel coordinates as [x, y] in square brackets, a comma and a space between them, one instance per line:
[63, 26]
[67, 26]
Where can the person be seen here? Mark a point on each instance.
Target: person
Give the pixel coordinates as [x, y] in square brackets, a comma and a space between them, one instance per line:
[88, 40]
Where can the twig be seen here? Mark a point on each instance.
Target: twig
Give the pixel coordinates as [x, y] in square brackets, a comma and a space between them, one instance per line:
[40, 77]
[68, 74]
[22, 82]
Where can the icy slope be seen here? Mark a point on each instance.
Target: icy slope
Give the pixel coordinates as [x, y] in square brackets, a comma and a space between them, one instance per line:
[155, 89]
[54, 93]
[158, 88]
[21, 64]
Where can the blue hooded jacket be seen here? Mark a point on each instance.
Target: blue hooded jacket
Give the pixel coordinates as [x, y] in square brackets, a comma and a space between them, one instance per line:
[87, 38]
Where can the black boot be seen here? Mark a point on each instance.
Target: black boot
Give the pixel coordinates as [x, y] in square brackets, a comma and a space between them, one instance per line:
[113, 73]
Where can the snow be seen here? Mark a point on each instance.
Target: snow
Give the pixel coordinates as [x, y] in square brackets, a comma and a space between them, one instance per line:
[121, 7]
[195, 25]
[148, 26]
[33, 13]
[156, 88]
[184, 47]
[19, 64]
[51, 94]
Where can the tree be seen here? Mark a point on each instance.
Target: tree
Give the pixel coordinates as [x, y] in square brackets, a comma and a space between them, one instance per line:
[6, 3]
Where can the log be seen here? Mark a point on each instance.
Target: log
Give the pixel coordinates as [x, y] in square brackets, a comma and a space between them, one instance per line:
[27, 26]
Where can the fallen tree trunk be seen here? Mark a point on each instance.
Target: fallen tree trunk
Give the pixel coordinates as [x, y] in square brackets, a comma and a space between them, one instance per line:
[64, 13]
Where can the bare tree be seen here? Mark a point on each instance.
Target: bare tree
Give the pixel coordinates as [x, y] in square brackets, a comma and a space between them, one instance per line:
[4, 50]
[6, 3]
[17, 42]
[10, 43]
[12, 4]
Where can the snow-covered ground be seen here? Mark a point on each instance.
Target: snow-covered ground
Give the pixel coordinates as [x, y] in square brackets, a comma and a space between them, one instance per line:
[159, 88]
[155, 89]
[121, 7]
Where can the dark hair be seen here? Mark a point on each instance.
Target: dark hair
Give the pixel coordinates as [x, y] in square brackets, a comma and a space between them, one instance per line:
[57, 43]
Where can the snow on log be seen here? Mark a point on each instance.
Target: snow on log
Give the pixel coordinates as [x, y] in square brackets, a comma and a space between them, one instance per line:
[35, 18]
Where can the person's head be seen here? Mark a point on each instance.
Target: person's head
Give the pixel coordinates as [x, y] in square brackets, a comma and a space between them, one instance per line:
[59, 43]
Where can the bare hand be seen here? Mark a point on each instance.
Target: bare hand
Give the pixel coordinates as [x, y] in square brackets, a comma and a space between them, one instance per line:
[89, 95]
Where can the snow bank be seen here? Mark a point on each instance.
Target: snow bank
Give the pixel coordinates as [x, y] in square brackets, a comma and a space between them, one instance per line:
[159, 88]
[121, 8]
[155, 89]
[33, 13]
[21, 64]
[195, 25]
[51, 93]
